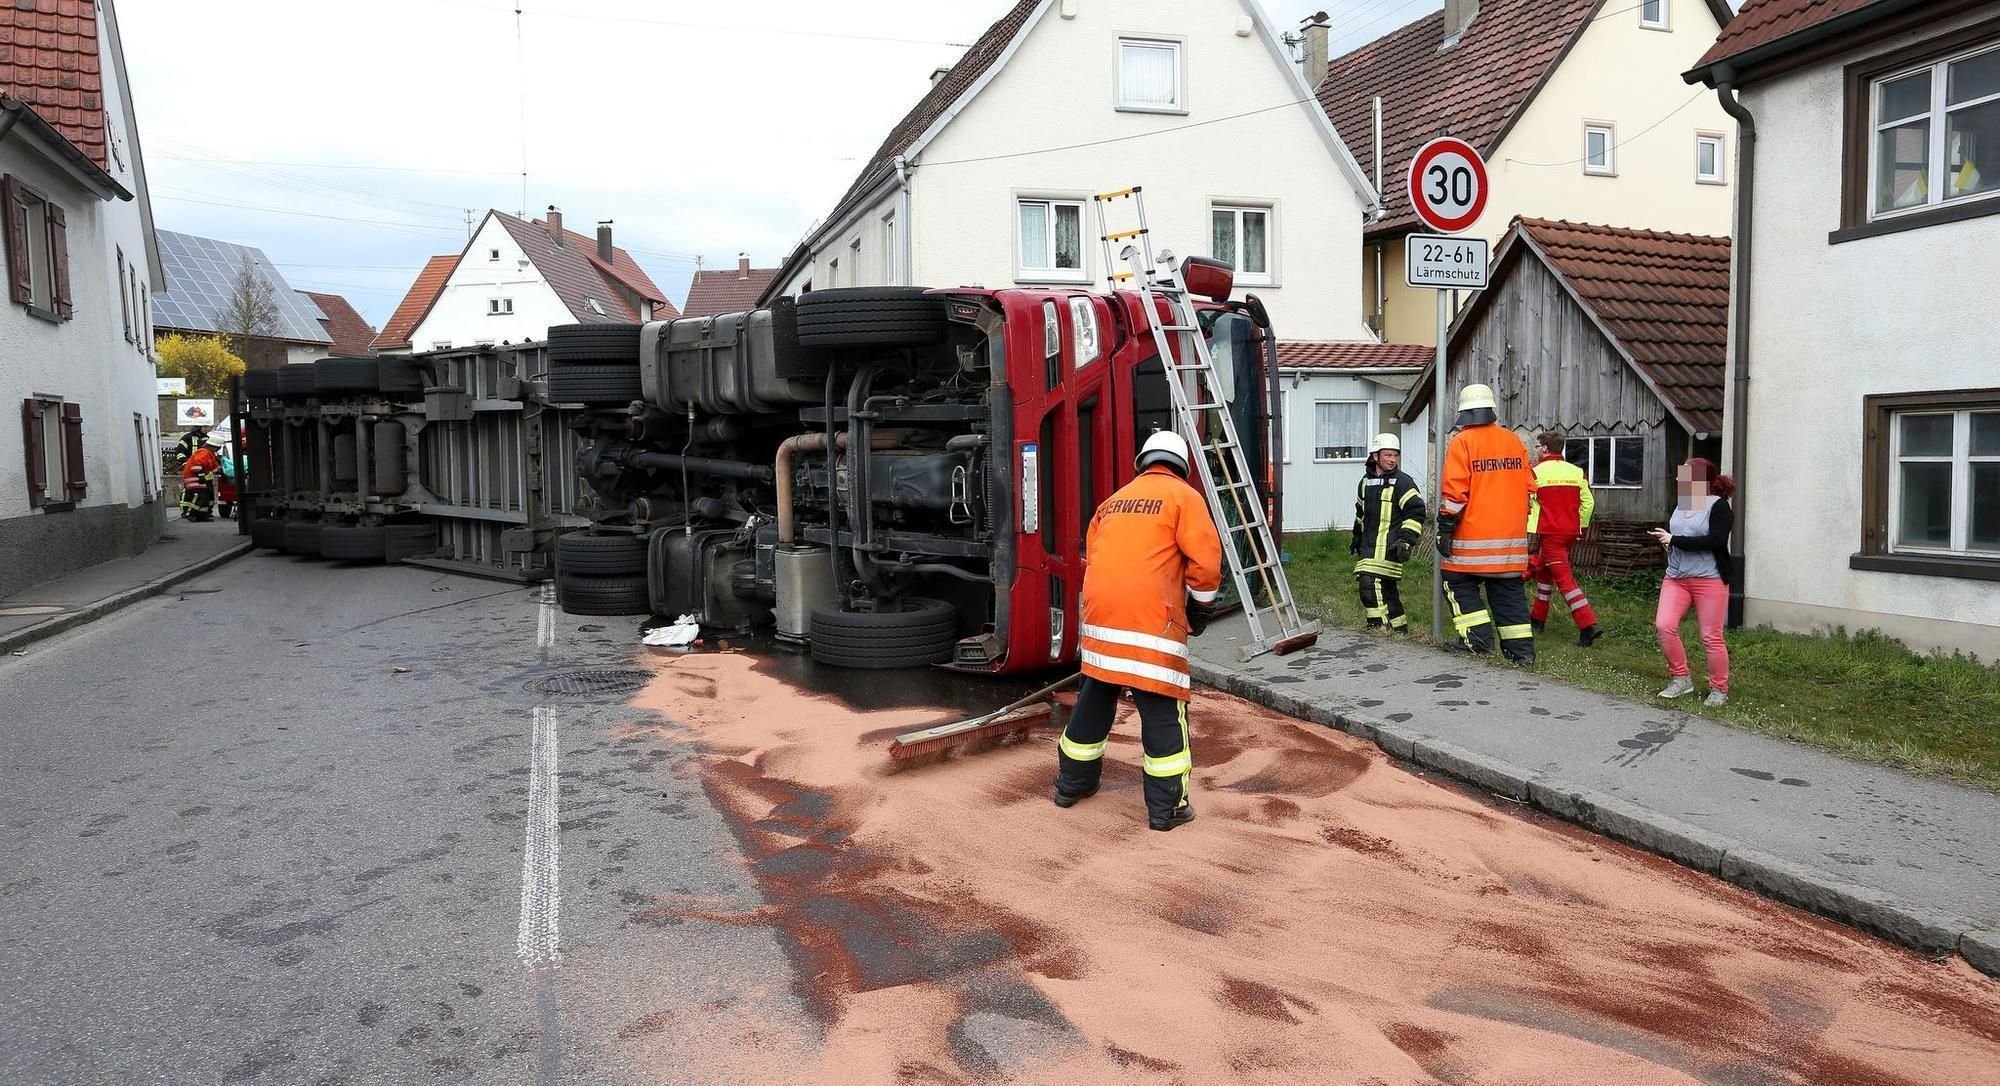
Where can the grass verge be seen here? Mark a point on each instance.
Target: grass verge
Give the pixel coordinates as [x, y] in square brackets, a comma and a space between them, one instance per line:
[1861, 695]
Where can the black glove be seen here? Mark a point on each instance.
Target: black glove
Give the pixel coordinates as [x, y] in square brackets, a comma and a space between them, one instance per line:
[1446, 526]
[1354, 546]
[1534, 544]
[1198, 616]
[1399, 551]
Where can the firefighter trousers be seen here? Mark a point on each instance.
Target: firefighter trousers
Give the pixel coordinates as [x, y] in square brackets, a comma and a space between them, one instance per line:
[1504, 610]
[1382, 600]
[1553, 573]
[1163, 732]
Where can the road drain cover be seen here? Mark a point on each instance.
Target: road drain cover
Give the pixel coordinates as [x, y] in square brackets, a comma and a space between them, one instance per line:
[588, 681]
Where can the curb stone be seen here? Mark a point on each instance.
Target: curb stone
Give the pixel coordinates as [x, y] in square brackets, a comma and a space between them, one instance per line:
[90, 612]
[1928, 931]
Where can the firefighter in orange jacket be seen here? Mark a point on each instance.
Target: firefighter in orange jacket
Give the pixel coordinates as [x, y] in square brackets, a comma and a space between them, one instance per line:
[1483, 530]
[1152, 547]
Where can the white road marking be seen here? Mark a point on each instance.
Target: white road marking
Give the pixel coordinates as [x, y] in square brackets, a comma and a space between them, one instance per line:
[541, 886]
[545, 619]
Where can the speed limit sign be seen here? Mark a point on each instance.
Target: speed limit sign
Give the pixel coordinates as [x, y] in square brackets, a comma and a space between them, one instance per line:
[1448, 185]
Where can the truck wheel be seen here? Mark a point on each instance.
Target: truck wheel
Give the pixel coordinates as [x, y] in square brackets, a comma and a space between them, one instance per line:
[267, 534]
[260, 384]
[870, 317]
[345, 375]
[351, 543]
[402, 541]
[603, 595]
[296, 382]
[399, 375]
[302, 538]
[600, 555]
[617, 343]
[594, 384]
[920, 633]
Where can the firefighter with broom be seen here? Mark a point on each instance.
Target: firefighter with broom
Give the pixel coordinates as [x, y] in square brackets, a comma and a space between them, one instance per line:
[1154, 569]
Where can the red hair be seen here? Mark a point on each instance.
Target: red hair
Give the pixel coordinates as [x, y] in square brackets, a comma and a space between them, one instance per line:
[1705, 471]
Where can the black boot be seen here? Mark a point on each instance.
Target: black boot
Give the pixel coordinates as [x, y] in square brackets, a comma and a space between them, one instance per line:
[1588, 634]
[1539, 626]
[1181, 815]
[1065, 800]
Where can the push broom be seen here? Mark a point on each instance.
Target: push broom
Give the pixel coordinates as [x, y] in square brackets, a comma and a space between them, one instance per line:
[1009, 723]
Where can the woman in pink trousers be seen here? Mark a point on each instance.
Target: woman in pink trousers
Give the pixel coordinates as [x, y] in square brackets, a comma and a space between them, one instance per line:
[1698, 574]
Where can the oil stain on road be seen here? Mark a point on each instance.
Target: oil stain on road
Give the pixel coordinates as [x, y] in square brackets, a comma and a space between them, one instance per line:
[1329, 917]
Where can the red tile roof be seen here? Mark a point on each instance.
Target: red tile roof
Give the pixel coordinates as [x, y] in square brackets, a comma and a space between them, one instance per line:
[1296, 354]
[411, 310]
[732, 290]
[1761, 22]
[49, 59]
[578, 277]
[351, 334]
[1663, 300]
[1473, 90]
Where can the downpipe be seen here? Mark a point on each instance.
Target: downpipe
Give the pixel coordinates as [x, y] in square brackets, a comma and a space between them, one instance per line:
[1743, 243]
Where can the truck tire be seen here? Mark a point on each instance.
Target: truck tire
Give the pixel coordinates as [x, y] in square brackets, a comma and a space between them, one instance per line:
[922, 632]
[398, 376]
[260, 384]
[345, 375]
[267, 534]
[600, 555]
[296, 382]
[870, 317]
[302, 538]
[603, 595]
[400, 541]
[351, 543]
[604, 343]
[594, 384]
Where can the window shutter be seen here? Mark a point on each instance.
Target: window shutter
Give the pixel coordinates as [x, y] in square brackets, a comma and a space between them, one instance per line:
[31, 440]
[72, 432]
[20, 284]
[59, 260]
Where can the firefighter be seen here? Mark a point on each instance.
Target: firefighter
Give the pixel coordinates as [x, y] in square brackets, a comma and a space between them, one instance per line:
[1388, 522]
[1557, 517]
[1483, 530]
[1152, 549]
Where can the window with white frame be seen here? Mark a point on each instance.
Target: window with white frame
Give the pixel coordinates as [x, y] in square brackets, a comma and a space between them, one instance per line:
[854, 257]
[1708, 158]
[1600, 144]
[890, 257]
[1944, 483]
[1609, 461]
[1051, 239]
[1340, 430]
[1936, 133]
[124, 294]
[1150, 76]
[1653, 14]
[499, 307]
[493, 254]
[1241, 237]
[833, 272]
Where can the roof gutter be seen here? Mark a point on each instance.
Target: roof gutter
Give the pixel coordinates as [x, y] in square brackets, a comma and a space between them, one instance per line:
[1733, 69]
[1742, 249]
[60, 150]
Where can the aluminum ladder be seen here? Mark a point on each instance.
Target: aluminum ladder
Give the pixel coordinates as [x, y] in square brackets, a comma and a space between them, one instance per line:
[1205, 421]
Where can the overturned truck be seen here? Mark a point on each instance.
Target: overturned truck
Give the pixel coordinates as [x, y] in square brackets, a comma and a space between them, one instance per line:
[895, 477]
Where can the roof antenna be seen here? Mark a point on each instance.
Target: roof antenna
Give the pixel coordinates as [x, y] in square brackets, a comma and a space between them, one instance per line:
[521, 83]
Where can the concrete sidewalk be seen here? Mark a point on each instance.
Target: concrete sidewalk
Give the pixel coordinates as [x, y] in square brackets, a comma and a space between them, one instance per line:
[1914, 860]
[187, 550]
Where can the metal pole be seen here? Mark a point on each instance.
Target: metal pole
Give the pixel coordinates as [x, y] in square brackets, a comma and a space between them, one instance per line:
[1438, 431]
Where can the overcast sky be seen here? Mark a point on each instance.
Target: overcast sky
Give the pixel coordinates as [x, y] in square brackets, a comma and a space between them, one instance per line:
[350, 144]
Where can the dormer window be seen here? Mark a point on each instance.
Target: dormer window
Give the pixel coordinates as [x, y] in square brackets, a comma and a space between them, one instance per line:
[595, 306]
[1151, 77]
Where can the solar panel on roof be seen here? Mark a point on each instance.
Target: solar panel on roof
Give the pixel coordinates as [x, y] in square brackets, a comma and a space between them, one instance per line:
[201, 278]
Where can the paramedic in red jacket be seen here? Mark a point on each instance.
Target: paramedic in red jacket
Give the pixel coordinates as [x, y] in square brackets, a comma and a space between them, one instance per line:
[1152, 547]
[1557, 516]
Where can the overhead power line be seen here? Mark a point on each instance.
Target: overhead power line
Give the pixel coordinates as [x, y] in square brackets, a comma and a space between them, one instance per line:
[724, 28]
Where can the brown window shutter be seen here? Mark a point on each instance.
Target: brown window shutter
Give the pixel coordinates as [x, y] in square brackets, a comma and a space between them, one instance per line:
[31, 440]
[20, 284]
[72, 433]
[59, 260]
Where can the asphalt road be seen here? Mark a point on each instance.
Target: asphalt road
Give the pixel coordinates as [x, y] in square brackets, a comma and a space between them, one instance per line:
[271, 830]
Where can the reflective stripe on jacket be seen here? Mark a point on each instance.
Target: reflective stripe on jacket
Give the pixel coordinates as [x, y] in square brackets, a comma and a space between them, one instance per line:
[1387, 508]
[1150, 546]
[1487, 485]
[1563, 502]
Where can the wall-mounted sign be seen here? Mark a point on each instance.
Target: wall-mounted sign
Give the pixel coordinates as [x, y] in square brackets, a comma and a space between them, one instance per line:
[172, 386]
[194, 412]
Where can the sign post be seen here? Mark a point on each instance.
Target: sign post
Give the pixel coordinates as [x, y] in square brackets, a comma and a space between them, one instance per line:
[1448, 190]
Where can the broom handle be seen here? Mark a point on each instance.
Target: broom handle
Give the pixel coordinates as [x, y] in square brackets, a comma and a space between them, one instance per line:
[1040, 695]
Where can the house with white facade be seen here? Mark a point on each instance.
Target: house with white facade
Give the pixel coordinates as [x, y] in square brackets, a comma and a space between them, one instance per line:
[81, 472]
[514, 279]
[989, 181]
[1864, 366]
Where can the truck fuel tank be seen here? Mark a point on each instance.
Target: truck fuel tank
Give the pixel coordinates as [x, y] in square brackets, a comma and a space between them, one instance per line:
[719, 365]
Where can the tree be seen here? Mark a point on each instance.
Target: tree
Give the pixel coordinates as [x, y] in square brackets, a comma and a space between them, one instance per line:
[251, 310]
[205, 361]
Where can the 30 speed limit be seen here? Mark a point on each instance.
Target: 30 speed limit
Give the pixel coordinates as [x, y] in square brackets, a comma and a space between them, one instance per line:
[1448, 185]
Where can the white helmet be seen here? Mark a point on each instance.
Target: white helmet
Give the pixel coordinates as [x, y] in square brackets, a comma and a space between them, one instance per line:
[1474, 397]
[218, 440]
[1164, 447]
[1385, 441]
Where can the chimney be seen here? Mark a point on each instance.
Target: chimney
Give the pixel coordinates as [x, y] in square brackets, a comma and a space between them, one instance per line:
[555, 224]
[1316, 60]
[604, 241]
[742, 266]
[937, 74]
[1458, 14]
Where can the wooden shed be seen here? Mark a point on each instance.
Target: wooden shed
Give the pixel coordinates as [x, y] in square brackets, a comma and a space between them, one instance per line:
[1616, 337]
